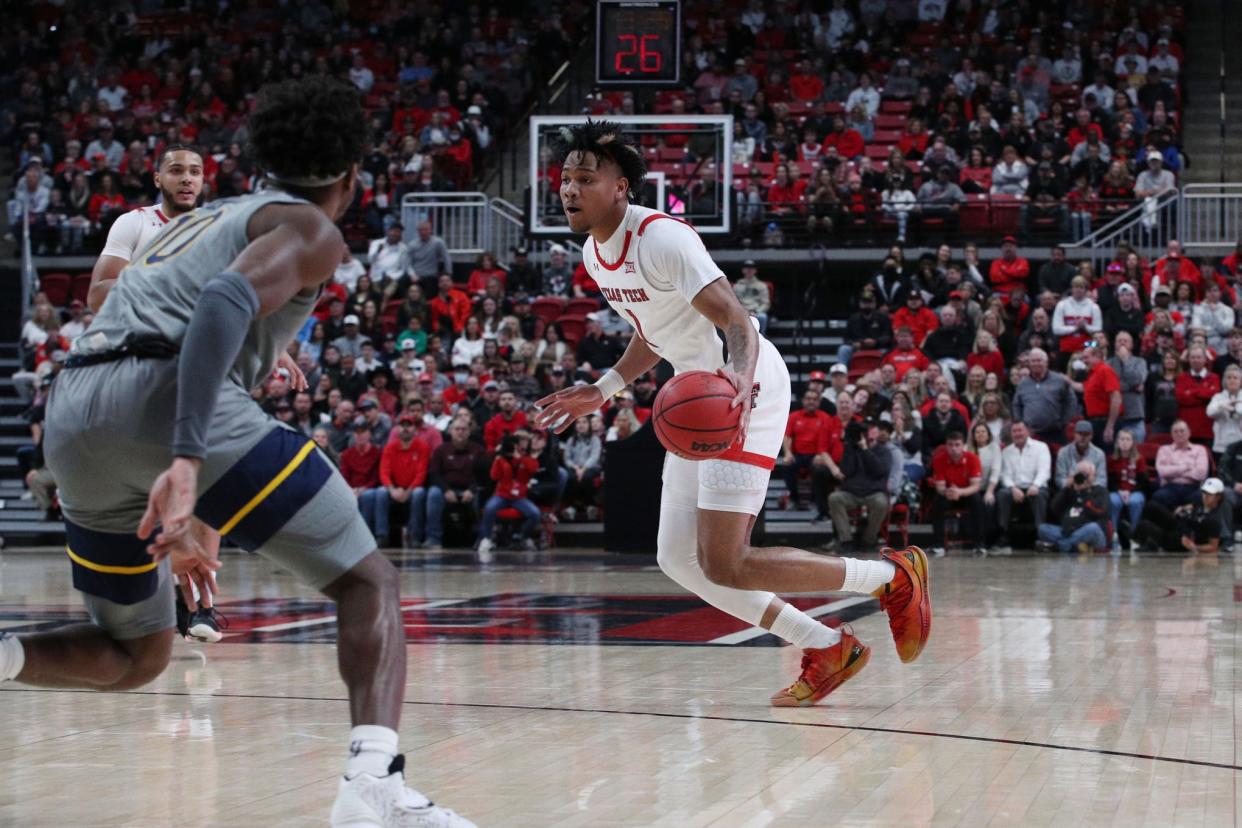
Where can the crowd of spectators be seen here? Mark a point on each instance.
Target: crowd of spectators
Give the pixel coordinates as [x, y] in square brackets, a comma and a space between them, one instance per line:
[1032, 118]
[1106, 408]
[91, 93]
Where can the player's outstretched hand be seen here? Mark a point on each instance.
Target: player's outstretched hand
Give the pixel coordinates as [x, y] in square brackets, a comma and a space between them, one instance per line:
[743, 399]
[171, 506]
[297, 380]
[560, 410]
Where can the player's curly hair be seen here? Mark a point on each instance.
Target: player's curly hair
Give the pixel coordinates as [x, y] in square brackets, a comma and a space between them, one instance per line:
[604, 140]
[311, 127]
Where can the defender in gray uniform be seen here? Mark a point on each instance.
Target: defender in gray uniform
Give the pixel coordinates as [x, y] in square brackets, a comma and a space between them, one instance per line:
[152, 423]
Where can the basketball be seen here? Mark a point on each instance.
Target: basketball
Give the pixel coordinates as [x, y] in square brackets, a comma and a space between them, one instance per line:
[692, 415]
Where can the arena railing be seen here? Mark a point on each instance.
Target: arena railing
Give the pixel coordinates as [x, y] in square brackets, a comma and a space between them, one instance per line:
[1210, 216]
[463, 220]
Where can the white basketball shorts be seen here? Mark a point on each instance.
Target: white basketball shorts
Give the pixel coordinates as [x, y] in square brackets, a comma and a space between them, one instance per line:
[737, 481]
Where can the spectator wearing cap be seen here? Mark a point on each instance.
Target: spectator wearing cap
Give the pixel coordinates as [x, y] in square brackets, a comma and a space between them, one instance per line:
[1195, 526]
[389, 255]
[351, 341]
[1080, 448]
[341, 426]
[1214, 316]
[1044, 399]
[917, 317]
[1182, 466]
[863, 476]
[1101, 397]
[1154, 181]
[596, 350]
[403, 475]
[1131, 371]
[904, 355]
[1173, 267]
[487, 405]
[112, 150]
[866, 329]
[512, 471]
[428, 255]
[525, 278]
[79, 320]
[1083, 508]
[506, 421]
[1195, 388]
[378, 423]
[812, 443]
[360, 466]
[1010, 270]
[1126, 315]
[753, 294]
[558, 276]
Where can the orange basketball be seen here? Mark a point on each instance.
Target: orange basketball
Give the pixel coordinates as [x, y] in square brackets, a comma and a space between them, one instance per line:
[692, 416]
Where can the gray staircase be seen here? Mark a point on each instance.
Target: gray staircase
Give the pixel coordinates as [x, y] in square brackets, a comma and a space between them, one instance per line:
[1209, 24]
[21, 520]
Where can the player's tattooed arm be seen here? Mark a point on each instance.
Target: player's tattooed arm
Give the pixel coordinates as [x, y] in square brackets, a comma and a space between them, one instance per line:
[737, 338]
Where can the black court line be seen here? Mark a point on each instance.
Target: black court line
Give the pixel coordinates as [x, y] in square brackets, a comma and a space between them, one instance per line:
[824, 725]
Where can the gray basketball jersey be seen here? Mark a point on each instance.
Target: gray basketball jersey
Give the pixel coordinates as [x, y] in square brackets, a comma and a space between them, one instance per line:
[157, 291]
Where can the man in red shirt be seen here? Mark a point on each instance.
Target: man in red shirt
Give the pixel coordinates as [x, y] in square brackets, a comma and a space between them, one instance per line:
[505, 423]
[809, 438]
[1195, 389]
[1010, 270]
[360, 466]
[403, 474]
[849, 142]
[904, 355]
[450, 308]
[1185, 269]
[1101, 397]
[805, 84]
[957, 477]
[917, 317]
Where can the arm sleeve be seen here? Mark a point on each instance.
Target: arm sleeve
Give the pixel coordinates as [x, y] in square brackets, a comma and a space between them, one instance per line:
[674, 257]
[221, 321]
[123, 237]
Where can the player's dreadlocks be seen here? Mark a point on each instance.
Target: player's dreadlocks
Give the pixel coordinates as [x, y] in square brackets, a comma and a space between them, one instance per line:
[307, 132]
[604, 140]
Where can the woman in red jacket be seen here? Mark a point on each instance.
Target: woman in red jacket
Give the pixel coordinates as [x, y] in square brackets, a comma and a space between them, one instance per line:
[986, 356]
[512, 470]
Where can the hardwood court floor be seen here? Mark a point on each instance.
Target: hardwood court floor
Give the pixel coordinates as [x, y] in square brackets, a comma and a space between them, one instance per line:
[582, 690]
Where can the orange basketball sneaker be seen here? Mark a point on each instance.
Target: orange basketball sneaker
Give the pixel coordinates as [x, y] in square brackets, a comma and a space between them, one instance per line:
[907, 600]
[824, 669]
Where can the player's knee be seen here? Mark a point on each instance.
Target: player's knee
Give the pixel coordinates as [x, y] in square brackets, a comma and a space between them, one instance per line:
[147, 660]
[724, 567]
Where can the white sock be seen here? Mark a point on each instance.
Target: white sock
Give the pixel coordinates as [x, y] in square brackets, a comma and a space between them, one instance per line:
[12, 657]
[801, 630]
[371, 750]
[866, 576]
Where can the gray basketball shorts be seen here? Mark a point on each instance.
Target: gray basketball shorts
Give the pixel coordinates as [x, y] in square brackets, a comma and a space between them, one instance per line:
[264, 486]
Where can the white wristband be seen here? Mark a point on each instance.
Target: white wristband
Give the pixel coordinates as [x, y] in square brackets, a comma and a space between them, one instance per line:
[610, 383]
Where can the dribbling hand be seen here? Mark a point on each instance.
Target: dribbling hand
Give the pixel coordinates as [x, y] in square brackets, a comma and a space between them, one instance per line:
[559, 411]
[742, 399]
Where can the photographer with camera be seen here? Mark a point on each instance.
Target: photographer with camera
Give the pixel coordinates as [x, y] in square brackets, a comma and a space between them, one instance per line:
[512, 470]
[1083, 507]
[1192, 527]
[864, 466]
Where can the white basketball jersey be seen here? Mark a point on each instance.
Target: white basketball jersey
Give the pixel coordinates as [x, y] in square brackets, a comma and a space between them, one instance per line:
[650, 271]
[133, 231]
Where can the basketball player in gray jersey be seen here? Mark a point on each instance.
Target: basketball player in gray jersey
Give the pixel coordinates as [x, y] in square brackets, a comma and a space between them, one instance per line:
[151, 425]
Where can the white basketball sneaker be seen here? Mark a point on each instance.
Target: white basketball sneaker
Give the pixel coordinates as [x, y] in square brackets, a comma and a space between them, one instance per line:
[366, 801]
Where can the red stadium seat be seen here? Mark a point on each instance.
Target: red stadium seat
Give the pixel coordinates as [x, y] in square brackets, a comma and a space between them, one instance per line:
[974, 214]
[896, 107]
[388, 317]
[864, 361]
[885, 120]
[581, 307]
[81, 287]
[548, 308]
[877, 152]
[1149, 450]
[573, 326]
[886, 136]
[56, 286]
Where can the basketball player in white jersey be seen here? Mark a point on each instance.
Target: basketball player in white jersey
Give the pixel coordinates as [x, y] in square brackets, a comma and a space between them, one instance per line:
[656, 273]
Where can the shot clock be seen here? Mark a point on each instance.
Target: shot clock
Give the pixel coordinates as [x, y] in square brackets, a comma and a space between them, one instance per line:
[638, 43]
